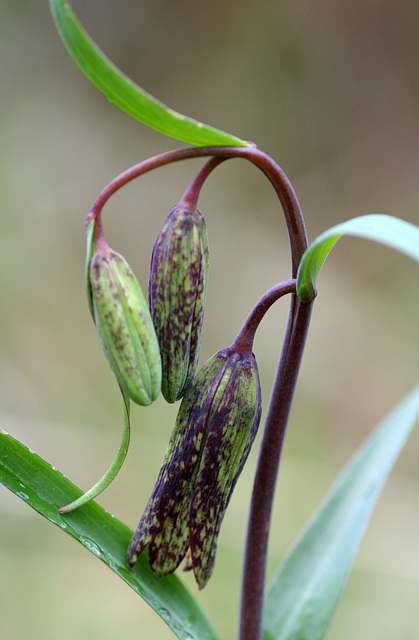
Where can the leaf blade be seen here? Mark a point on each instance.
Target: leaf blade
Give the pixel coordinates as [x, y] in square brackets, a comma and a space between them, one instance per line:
[45, 489]
[127, 95]
[304, 593]
[393, 232]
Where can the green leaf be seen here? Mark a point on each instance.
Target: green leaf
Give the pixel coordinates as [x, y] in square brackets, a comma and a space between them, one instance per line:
[124, 93]
[45, 490]
[390, 231]
[303, 595]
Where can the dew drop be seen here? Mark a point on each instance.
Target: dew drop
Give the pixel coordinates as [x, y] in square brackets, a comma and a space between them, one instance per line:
[165, 614]
[92, 546]
[112, 565]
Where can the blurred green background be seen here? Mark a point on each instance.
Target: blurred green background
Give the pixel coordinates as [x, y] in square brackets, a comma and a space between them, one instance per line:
[331, 91]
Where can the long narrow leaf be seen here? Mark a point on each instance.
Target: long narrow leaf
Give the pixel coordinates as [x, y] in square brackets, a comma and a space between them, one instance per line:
[45, 490]
[303, 595]
[124, 93]
[395, 233]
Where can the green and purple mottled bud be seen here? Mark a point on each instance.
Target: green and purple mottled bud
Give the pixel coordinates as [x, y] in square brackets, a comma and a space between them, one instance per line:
[177, 290]
[215, 428]
[123, 321]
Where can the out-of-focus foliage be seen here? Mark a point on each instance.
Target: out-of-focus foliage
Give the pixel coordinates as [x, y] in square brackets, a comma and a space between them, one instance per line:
[330, 90]
[305, 591]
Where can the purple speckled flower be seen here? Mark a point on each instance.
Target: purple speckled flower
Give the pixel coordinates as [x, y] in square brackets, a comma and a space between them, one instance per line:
[215, 428]
[177, 290]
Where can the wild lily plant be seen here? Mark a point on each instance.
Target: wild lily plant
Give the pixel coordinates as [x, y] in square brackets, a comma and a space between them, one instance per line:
[152, 344]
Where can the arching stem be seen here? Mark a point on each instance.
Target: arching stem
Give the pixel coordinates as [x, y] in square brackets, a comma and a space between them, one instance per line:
[244, 340]
[292, 212]
[191, 195]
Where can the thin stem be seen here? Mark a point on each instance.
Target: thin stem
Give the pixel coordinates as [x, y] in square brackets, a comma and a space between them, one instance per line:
[244, 340]
[292, 212]
[191, 195]
[254, 570]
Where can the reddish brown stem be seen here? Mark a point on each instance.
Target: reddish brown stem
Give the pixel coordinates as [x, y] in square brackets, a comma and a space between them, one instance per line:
[278, 179]
[191, 195]
[244, 340]
[254, 568]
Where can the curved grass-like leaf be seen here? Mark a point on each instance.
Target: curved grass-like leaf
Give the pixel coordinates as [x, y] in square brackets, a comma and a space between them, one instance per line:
[45, 490]
[395, 233]
[114, 468]
[124, 93]
[303, 595]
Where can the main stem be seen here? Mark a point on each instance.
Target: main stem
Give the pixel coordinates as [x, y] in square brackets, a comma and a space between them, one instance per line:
[254, 569]
[256, 551]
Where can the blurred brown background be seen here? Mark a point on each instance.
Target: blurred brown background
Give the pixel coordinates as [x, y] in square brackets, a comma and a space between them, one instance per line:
[331, 91]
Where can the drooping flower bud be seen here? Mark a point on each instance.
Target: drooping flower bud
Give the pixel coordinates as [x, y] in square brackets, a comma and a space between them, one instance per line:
[177, 290]
[215, 428]
[123, 321]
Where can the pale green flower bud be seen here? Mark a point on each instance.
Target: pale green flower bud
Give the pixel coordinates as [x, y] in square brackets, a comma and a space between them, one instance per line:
[123, 322]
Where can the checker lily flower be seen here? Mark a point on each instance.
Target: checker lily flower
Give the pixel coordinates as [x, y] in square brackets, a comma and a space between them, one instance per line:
[215, 428]
[177, 290]
[122, 318]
